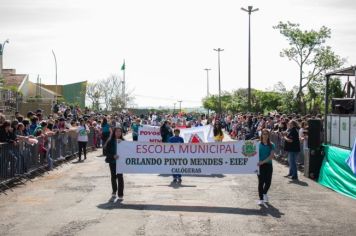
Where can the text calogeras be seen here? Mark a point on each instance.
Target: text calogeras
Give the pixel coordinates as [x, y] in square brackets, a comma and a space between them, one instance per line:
[238, 157]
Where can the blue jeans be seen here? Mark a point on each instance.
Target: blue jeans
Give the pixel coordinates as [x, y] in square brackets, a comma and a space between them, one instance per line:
[292, 161]
[177, 176]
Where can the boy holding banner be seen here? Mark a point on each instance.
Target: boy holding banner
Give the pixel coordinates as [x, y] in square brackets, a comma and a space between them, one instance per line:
[177, 178]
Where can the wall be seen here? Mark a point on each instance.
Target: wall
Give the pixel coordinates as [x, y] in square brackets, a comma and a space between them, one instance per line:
[75, 93]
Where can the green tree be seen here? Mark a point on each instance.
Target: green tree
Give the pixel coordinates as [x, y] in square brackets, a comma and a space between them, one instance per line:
[307, 49]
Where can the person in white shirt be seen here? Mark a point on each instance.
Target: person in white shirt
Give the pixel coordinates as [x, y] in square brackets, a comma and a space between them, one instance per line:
[82, 131]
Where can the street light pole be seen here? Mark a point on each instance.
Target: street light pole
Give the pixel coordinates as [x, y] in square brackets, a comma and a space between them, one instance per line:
[249, 10]
[174, 108]
[207, 84]
[180, 106]
[219, 50]
[207, 81]
[2, 47]
[55, 63]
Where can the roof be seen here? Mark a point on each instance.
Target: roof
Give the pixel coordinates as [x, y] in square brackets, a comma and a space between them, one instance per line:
[349, 71]
[14, 79]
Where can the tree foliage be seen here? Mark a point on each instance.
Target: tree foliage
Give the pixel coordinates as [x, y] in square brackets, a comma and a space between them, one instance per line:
[107, 92]
[308, 50]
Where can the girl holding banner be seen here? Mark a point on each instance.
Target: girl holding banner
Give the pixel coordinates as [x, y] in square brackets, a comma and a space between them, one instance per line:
[117, 180]
[266, 153]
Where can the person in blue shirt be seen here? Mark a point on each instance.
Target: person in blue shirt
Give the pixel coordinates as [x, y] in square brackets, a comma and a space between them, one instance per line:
[177, 178]
[266, 153]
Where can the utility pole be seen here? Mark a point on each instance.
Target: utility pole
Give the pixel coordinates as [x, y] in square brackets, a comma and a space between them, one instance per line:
[207, 84]
[249, 10]
[219, 50]
[2, 47]
[55, 63]
[180, 106]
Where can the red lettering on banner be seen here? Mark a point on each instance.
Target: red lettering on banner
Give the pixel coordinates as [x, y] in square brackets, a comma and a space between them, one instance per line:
[234, 149]
[155, 140]
[143, 132]
[228, 149]
[222, 148]
[138, 149]
[183, 149]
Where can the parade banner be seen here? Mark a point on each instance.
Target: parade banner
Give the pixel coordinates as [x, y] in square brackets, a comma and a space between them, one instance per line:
[148, 133]
[200, 134]
[203, 134]
[237, 157]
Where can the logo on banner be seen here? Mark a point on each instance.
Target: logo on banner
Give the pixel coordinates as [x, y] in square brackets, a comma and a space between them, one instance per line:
[249, 149]
[194, 138]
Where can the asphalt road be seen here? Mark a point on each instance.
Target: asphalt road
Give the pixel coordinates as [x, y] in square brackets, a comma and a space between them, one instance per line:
[74, 200]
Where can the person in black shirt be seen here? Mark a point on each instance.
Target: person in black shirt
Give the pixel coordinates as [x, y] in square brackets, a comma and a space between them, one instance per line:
[166, 131]
[7, 134]
[292, 146]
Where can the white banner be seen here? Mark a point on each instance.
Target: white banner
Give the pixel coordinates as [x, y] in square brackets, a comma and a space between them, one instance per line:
[202, 134]
[237, 157]
[152, 134]
[335, 130]
[345, 131]
[148, 133]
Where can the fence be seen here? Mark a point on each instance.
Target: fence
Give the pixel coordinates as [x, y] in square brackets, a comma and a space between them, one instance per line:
[280, 154]
[19, 160]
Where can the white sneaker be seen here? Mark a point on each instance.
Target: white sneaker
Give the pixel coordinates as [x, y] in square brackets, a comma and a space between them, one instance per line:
[265, 198]
[259, 202]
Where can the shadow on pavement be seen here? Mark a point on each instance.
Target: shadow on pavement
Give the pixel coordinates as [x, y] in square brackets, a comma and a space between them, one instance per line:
[76, 162]
[269, 209]
[264, 211]
[210, 176]
[299, 182]
[177, 185]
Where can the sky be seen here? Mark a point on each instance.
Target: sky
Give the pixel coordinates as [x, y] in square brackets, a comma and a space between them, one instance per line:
[166, 44]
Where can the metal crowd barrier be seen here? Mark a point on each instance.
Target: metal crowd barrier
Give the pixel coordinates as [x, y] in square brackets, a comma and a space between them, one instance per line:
[19, 160]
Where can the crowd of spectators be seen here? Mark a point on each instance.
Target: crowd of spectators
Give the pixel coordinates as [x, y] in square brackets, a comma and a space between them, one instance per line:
[67, 118]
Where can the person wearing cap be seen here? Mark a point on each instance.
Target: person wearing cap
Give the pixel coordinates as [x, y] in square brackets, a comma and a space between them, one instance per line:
[177, 178]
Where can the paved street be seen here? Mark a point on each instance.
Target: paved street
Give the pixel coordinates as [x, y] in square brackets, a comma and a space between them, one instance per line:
[73, 200]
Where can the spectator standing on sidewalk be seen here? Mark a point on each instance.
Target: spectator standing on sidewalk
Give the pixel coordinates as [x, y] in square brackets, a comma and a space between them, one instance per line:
[292, 146]
[117, 180]
[83, 131]
[105, 131]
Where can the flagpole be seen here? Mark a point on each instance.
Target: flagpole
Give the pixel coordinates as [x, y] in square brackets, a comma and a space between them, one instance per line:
[123, 86]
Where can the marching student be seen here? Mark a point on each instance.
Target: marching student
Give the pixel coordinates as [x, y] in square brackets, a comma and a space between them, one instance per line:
[166, 131]
[117, 180]
[177, 178]
[266, 153]
[218, 133]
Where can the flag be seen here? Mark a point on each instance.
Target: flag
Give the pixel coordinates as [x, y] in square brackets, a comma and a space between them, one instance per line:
[351, 161]
[123, 66]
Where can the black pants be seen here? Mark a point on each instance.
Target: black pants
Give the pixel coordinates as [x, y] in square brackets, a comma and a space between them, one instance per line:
[104, 138]
[264, 179]
[117, 181]
[82, 146]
